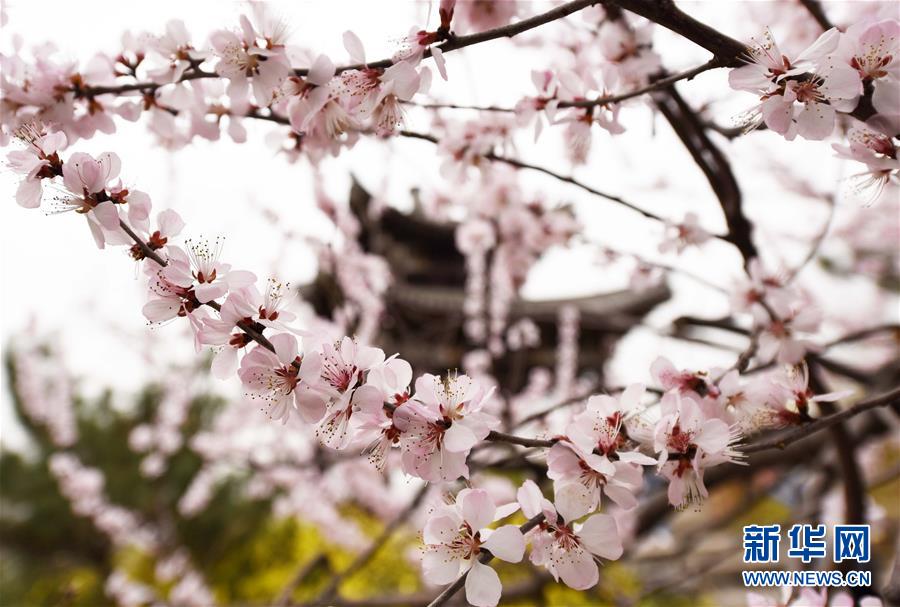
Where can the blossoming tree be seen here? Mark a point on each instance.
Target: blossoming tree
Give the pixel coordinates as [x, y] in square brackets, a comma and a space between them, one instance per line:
[562, 472]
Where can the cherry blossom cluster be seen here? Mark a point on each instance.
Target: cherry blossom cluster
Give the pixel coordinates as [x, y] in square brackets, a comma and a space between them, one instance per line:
[160, 439]
[803, 94]
[197, 90]
[47, 401]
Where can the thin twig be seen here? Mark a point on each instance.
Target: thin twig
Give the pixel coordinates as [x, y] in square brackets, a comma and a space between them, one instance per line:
[816, 243]
[866, 333]
[502, 437]
[653, 86]
[366, 555]
[284, 597]
[570, 180]
[589, 103]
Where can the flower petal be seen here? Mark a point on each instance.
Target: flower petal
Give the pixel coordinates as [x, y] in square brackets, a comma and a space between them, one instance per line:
[483, 588]
[506, 543]
[477, 508]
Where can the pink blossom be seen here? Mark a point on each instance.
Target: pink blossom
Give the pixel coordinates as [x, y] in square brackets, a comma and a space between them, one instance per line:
[441, 425]
[780, 338]
[792, 401]
[768, 65]
[391, 379]
[844, 599]
[682, 235]
[210, 278]
[168, 225]
[167, 298]
[808, 108]
[39, 160]
[480, 15]
[595, 455]
[282, 379]
[872, 49]
[172, 53]
[87, 179]
[878, 152]
[251, 59]
[603, 424]
[687, 443]
[792, 101]
[343, 367]
[752, 291]
[542, 107]
[564, 547]
[457, 535]
[684, 382]
[619, 480]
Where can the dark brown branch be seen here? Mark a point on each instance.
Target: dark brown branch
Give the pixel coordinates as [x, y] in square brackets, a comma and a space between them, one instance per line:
[507, 31]
[818, 13]
[853, 484]
[726, 51]
[715, 166]
[655, 85]
[145, 248]
[780, 442]
[502, 437]
[284, 597]
[866, 333]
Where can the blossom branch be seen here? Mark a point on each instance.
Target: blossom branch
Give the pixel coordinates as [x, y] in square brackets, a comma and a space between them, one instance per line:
[453, 43]
[891, 398]
[726, 51]
[252, 332]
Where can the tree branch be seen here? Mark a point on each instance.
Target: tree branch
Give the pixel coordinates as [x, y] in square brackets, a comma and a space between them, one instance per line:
[780, 442]
[715, 167]
[246, 327]
[818, 13]
[655, 85]
[727, 52]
